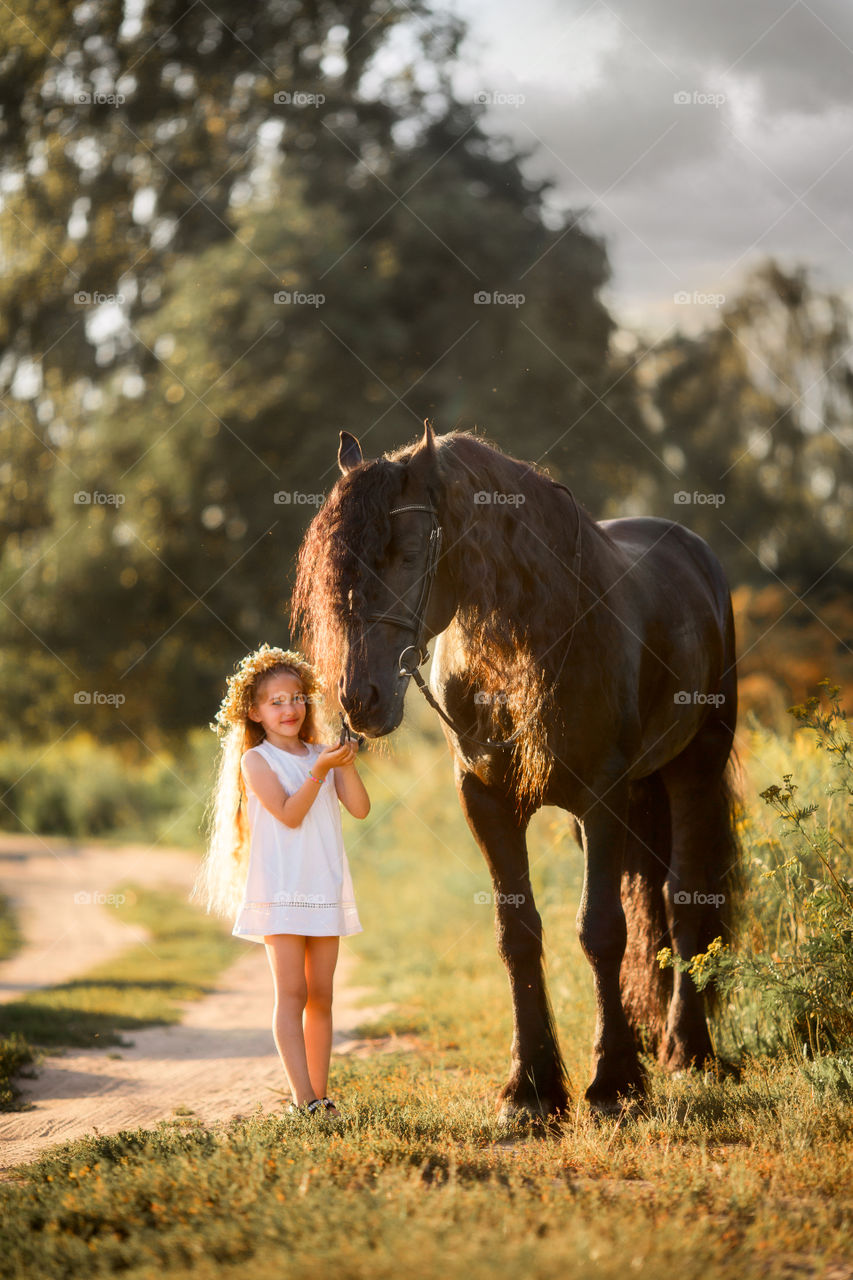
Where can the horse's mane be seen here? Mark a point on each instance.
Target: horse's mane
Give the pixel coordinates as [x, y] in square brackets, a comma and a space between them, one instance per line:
[345, 540]
[512, 563]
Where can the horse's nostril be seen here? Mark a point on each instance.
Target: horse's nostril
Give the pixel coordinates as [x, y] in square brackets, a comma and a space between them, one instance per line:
[361, 700]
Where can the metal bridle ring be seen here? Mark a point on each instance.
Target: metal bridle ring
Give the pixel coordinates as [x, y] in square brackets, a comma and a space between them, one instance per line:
[405, 671]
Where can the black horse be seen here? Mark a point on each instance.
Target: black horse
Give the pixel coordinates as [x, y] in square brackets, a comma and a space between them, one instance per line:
[584, 664]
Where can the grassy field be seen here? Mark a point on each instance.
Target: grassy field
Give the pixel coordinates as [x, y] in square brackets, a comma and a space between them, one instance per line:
[10, 934]
[416, 1178]
[187, 950]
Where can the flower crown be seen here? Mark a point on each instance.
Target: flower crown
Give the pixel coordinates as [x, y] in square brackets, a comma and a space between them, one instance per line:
[234, 708]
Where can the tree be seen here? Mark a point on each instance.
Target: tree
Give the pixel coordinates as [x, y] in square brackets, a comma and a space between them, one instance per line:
[758, 411]
[153, 431]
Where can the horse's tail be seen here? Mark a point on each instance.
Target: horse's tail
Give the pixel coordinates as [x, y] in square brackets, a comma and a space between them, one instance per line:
[726, 874]
[646, 988]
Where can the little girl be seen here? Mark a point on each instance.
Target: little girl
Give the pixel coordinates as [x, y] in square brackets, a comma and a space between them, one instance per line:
[276, 855]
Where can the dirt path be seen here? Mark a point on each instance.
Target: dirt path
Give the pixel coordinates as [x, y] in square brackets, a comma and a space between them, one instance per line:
[58, 888]
[219, 1062]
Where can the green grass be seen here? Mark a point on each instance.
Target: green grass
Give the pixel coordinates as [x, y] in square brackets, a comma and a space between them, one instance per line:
[10, 934]
[80, 787]
[15, 1054]
[17, 1057]
[717, 1178]
[721, 1179]
[139, 987]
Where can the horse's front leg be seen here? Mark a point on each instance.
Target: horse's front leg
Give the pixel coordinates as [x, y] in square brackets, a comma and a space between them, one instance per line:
[537, 1083]
[617, 1073]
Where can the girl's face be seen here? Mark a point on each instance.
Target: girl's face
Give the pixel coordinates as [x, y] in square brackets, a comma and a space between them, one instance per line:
[280, 707]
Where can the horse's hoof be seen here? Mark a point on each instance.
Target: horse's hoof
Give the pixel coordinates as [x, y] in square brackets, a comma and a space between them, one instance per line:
[616, 1103]
[621, 1108]
[713, 1069]
[528, 1115]
[719, 1069]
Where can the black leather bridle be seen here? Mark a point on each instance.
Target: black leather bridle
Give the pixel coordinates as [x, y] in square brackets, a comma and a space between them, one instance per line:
[416, 623]
[416, 620]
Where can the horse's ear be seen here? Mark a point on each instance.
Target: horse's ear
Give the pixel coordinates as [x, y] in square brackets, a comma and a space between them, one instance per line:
[428, 442]
[349, 452]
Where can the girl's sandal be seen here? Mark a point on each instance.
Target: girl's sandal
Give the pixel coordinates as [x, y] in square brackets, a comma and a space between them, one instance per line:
[305, 1108]
[330, 1106]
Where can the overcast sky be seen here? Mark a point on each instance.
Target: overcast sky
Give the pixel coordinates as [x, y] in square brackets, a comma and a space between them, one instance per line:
[755, 157]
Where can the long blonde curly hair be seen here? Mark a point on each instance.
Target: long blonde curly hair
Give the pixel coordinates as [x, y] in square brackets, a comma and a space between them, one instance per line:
[222, 876]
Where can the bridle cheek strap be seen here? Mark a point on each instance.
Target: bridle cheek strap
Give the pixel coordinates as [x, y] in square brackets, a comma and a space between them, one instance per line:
[416, 620]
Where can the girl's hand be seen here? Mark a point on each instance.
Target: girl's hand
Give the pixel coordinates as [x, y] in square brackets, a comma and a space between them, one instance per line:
[335, 758]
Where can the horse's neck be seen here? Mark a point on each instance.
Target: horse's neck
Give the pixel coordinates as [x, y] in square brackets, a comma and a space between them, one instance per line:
[590, 556]
[450, 654]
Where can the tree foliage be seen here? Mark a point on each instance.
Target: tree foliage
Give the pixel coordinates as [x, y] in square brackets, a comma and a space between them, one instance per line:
[230, 230]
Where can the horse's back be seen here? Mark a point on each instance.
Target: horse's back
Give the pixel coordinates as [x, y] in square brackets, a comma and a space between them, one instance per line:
[673, 600]
[668, 554]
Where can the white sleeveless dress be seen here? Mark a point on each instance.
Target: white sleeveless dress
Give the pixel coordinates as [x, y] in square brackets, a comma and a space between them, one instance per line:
[298, 878]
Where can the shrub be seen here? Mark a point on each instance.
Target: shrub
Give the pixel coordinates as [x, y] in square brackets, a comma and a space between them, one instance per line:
[788, 979]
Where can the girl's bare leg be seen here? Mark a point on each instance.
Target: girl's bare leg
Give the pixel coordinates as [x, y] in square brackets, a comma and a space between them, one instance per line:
[321, 956]
[286, 953]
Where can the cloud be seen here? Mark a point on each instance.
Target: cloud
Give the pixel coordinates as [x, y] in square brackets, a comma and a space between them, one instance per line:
[689, 191]
[797, 55]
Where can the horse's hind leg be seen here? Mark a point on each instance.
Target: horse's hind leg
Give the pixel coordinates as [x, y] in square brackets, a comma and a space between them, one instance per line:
[703, 849]
[646, 988]
[617, 1074]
